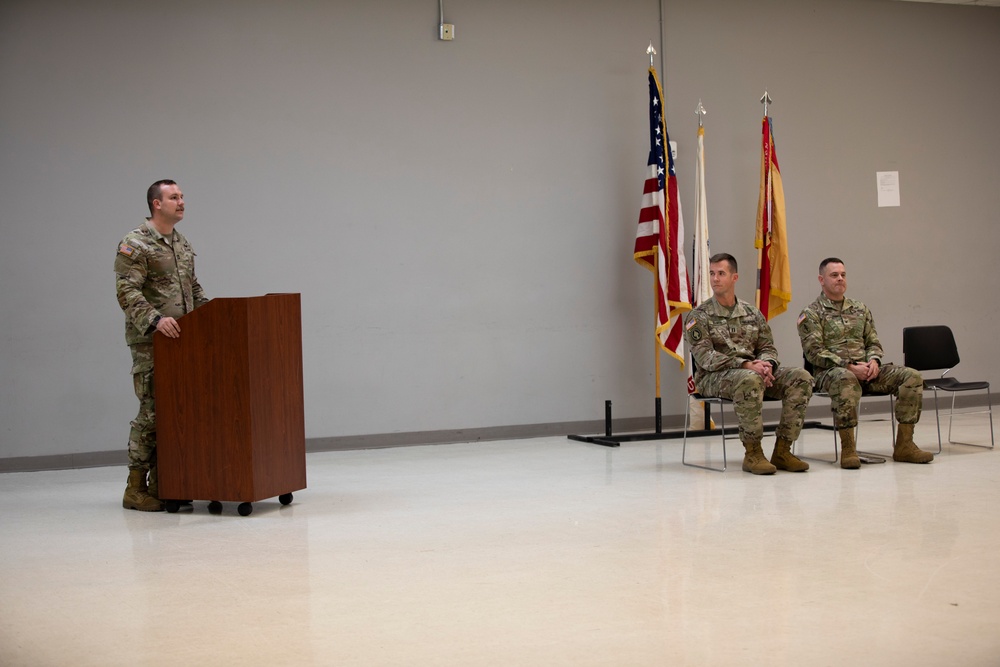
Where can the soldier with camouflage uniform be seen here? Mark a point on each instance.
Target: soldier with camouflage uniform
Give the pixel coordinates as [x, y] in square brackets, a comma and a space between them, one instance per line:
[735, 358]
[156, 283]
[839, 339]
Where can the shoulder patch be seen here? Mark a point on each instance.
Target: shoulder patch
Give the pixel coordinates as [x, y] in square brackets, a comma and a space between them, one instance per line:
[690, 323]
[126, 249]
[801, 317]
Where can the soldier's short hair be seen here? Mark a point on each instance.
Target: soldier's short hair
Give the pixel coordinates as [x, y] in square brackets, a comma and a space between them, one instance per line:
[724, 257]
[155, 191]
[829, 260]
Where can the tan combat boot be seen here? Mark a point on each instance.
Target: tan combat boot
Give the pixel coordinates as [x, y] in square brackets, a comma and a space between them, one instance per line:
[783, 459]
[904, 450]
[754, 461]
[136, 496]
[848, 449]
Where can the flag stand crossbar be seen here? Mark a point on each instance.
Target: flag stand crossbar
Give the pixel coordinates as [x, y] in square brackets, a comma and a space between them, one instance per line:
[611, 440]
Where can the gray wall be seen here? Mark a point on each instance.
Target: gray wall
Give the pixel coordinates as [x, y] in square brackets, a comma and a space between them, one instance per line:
[459, 217]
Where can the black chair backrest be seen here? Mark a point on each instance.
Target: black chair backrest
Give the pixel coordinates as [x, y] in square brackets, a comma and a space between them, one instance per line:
[929, 348]
[807, 365]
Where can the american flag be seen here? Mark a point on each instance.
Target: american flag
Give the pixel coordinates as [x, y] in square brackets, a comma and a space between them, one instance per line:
[661, 231]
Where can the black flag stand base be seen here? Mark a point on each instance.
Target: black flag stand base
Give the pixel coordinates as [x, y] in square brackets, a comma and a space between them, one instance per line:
[611, 440]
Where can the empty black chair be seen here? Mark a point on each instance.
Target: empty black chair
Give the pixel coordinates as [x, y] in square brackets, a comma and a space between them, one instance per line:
[933, 348]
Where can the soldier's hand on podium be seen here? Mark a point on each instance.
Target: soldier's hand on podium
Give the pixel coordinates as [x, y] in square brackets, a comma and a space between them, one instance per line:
[169, 327]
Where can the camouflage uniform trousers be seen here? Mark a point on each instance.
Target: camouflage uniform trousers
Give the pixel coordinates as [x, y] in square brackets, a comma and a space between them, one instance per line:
[142, 436]
[745, 388]
[845, 392]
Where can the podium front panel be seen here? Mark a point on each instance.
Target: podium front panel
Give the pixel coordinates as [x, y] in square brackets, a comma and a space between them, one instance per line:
[230, 421]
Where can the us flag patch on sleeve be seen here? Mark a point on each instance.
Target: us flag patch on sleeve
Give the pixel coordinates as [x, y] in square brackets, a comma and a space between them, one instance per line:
[801, 317]
[126, 249]
[687, 327]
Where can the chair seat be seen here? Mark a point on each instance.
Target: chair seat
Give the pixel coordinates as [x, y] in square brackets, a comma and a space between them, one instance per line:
[952, 384]
[701, 397]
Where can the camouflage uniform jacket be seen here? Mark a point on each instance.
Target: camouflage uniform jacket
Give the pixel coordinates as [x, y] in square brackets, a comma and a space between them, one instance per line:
[722, 340]
[834, 335]
[154, 278]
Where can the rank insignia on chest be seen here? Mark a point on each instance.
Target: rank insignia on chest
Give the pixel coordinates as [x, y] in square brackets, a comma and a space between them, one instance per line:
[126, 249]
[734, 330]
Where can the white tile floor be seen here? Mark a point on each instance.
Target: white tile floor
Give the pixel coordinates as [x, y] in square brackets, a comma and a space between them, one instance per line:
[528, 552]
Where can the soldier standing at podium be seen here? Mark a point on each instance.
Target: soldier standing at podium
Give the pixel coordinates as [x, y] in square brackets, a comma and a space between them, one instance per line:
[156, 283]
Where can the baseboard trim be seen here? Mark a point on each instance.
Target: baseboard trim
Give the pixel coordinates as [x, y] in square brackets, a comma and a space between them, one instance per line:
[869, 408]
[444, 437]
[347, 443]
[117, 457]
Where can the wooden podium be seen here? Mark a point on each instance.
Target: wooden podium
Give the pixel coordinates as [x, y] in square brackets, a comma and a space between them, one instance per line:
[229, 419]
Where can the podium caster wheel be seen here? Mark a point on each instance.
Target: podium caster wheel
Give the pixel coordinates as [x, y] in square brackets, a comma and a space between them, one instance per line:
[171, 506]
[285, 498]
[215, 507]
[245, 509]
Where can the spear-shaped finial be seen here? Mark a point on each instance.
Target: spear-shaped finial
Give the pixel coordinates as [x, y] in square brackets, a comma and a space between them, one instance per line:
[700, 112]
[651, 52]
[765, 100]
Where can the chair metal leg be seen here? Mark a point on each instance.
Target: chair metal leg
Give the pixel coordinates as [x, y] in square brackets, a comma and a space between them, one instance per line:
[722, 422]
[836, 449]
[892, 427]
[892, 417]
[951, 415]
[951, 419]
[937, 418]
[989, 401]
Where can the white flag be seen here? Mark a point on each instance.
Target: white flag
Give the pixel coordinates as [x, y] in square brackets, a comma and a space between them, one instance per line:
[702, 291]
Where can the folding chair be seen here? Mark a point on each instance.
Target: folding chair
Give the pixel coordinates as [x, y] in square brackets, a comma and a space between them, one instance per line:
[857, 429]
[933, 348]
[710, 400]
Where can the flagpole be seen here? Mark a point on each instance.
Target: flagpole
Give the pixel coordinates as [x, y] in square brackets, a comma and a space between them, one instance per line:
[650, 51]
[656, 318]
[766, 99]
[766, 226]
[658, 402]
[700, 234]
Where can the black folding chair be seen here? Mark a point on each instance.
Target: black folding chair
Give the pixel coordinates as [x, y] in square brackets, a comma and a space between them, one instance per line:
[933, 348]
